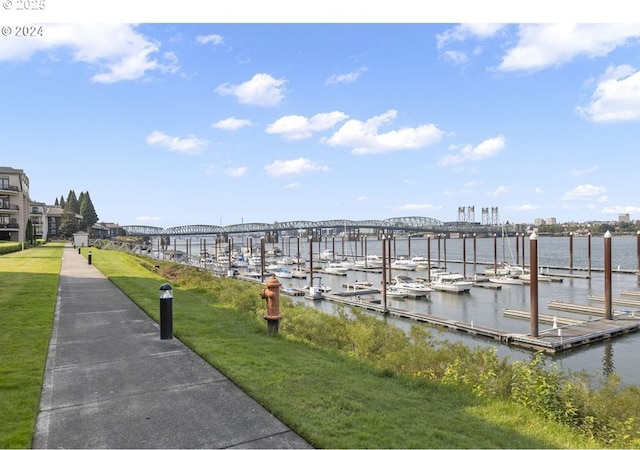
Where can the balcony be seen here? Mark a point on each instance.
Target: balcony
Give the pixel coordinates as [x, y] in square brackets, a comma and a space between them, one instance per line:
[7, 206]
[9, 188]
[9, 226]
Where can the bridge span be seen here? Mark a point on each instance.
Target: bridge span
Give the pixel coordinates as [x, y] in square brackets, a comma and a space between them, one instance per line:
[412, 224]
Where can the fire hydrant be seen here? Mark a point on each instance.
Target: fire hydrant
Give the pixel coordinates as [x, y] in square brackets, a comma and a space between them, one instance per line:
[271, 293]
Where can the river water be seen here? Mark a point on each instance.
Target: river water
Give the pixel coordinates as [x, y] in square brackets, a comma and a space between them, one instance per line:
[486, 306]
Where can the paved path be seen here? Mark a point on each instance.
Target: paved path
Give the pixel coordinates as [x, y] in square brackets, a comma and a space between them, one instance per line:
[111, 382]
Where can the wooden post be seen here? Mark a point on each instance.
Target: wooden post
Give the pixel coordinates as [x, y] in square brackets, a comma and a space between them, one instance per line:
[607, 276]
[464, 255]
[495, 254]
[589, 253]
[429, 258]
[384, 274]
[533, 255]
[571, 251]
[638, 251]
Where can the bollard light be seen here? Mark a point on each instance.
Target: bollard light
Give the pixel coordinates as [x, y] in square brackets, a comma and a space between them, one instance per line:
[166, 311]
[89, 257]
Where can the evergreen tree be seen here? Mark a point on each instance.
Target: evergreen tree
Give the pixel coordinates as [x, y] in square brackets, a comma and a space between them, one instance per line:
[30, 232]
[62, 201]
[72, 202]
[88, 212]
[69, 224]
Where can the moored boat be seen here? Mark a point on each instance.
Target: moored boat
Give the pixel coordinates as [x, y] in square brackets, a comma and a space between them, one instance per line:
[451, 282]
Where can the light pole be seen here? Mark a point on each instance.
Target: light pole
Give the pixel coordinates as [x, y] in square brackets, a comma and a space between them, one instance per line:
[166, 311]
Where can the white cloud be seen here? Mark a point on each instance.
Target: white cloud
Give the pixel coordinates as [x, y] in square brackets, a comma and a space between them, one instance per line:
[621, 210]
[292, 186]
[488, 148]
[616, 98]
[466, 31]
[349, 77]
[293, 167]
[261, 90]
[231, 124]
[585, 192]
[146, 219]
[364, 137]
[500, 190]
[418, 207]
[577, 172]
[215, 39]
[300, 127]
[461, 33]
[362, 198]
[117, 52]
[545, 45]
[189, 146]
[235, 171]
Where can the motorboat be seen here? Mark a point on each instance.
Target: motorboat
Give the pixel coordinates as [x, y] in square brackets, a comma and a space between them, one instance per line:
[281, 272]
[421, 262]
[506, 279]
[255, 260]
[336, 268]
[451, 282]
[409, 286]
[369, 262]
[327, 255]
[404, 264]
[299, 273]
[393, 292]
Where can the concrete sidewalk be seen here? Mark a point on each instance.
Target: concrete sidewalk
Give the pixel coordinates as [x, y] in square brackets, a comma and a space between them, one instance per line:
[111, 382]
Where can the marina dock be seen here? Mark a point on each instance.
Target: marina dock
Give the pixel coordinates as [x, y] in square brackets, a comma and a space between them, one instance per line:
[566, 333]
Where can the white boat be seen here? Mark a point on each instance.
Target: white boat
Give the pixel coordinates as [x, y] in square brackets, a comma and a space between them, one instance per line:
[421, 262]
[404, 264]
[336, 268]
[393, 292]
[506, 279]
[326, 255]
[527, 277]
[451, 282]
[299, 273]
[240, 262]
[369, 262]
[408, 285]
[255, 261]
[283, 273]
[287, 261]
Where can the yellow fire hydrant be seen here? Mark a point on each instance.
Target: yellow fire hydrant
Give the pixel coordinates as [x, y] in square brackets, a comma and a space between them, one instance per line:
[271, 293]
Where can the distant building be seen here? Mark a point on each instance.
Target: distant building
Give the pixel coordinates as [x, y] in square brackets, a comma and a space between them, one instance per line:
[552, 221]
[14, 204]
[538, 222]
[624, 218]
[38, 216]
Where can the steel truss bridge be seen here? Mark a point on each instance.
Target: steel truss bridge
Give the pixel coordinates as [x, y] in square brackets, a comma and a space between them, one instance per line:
[385, 226]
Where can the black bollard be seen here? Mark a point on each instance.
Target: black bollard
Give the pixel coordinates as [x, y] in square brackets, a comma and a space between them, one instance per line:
[89, 257]
[166, 311]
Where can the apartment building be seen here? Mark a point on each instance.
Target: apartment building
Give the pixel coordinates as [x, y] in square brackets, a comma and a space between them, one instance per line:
[14, 204]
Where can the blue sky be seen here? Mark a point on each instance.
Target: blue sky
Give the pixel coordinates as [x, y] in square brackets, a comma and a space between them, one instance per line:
[170, 124]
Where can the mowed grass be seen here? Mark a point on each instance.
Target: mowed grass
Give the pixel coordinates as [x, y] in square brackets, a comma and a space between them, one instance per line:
[28, 290]
[332, 400]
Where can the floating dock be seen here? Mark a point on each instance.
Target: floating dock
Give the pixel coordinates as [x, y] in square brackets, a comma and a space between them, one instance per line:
[567, 333]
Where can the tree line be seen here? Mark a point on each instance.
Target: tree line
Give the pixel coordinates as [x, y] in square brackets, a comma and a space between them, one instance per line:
[78, 213]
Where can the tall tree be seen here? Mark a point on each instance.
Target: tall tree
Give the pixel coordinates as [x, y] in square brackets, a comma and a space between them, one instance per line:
[69, 224]
[88, 212]
[72, 202]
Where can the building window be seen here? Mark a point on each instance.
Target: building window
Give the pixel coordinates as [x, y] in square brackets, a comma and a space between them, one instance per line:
[4, 183]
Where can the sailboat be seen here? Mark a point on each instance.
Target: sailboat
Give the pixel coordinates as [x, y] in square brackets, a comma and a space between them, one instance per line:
[506, 273]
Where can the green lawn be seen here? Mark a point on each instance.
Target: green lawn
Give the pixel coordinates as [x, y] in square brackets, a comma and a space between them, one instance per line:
[28, 290]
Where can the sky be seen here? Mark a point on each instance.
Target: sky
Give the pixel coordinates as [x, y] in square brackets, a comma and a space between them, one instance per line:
[194, 117]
